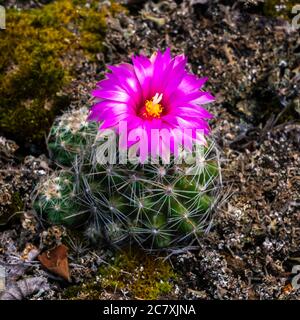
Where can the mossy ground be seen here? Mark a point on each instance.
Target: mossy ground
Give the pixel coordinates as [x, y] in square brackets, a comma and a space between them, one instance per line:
[38, 51]
[279, 8]
[142, 276]
[12, 211]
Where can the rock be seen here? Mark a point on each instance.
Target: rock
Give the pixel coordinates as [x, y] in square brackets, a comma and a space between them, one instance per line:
[17, 180]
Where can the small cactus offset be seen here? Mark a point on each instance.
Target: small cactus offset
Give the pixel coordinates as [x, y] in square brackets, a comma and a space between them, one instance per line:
[69, 136]
[56, 199]
[156, 205]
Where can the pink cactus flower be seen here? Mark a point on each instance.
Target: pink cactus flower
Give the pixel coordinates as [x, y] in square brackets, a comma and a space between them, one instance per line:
[153, 93]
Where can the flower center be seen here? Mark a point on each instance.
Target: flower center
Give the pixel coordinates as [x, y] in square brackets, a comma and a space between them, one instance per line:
[153, 108]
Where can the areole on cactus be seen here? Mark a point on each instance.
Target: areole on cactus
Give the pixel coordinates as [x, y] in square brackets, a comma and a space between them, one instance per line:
[155, 204]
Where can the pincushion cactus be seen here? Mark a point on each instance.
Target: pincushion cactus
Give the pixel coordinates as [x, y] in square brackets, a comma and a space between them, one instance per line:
[57, 199]
[69, 136]
[157, 205]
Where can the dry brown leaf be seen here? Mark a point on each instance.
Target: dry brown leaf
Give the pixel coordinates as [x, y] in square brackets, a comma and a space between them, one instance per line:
[56, 261]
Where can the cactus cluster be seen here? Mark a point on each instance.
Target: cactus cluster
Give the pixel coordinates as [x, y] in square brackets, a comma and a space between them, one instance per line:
[155, 205]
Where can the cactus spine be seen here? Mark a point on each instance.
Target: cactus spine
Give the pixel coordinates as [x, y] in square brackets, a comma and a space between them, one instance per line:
[157, 206]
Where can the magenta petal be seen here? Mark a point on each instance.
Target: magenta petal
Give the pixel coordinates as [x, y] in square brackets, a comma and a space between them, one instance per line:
[112, 122]
[193, 111]
[206, 97]
[122, 95]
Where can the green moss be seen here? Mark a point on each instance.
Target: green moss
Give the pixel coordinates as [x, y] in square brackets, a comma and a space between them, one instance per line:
[11, 211]
[142, 276]
[285, 12]
[38, 51]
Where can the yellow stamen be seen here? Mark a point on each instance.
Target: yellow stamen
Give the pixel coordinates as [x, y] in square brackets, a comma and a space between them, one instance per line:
[153, 108]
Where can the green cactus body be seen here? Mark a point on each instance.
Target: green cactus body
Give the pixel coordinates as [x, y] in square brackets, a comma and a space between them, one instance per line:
[69, 136]
[56, 200]
[156, 206]
[183, 218]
